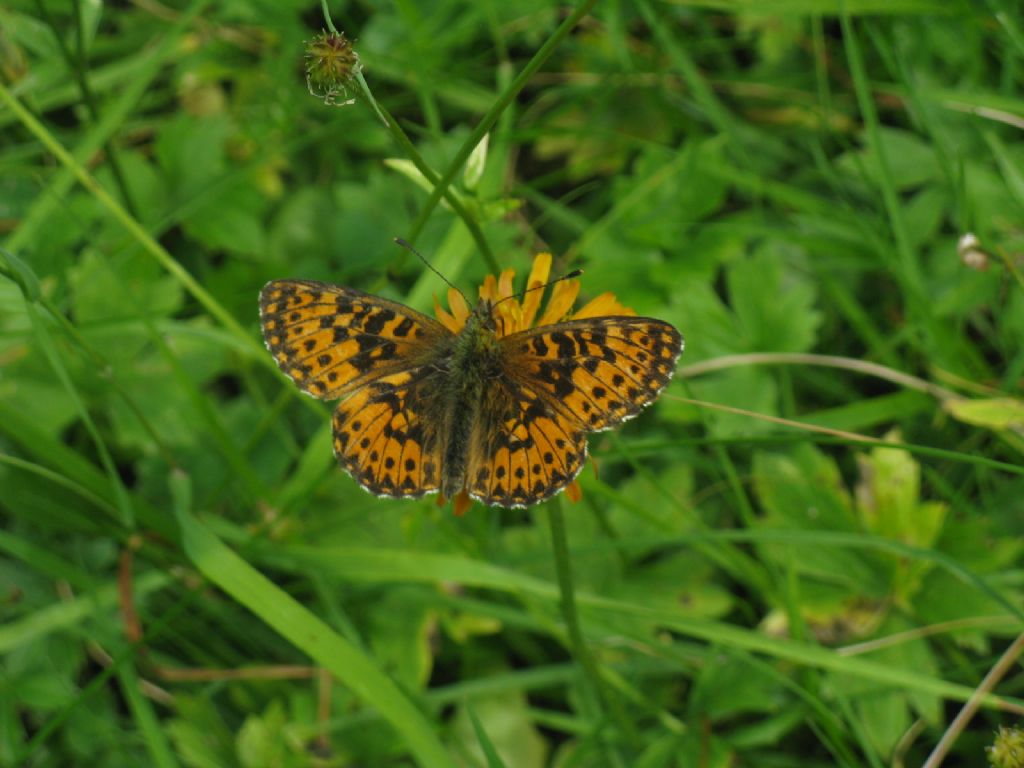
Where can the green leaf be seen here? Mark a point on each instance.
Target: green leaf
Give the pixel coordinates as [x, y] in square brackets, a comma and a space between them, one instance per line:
[774, 305]
[866, 412]
[886, 713]
[727, 687]
[191, 153]
[802, 489]
[233, 223]
[402, 626]
[146, 185]
[408, 169]
[377, 566]
[666, 193]
[924, 213]
[102, 290]
[974, 618]
[200, 737]
[511, 737]
[888, 497]
[885, 717]
[749, 388]
[680, 580]
[299, 243]
[912, 160]
[992, 413]
[475, 164]
[308, 633]
[259, 743]
[719, 332]
[493, 758]
[22, 274]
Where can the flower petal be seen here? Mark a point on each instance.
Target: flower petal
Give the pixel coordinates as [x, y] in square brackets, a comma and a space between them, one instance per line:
[563, 294]
[446, 319]
[461, 503]
[605, 305]
[538, 276]
[505, 283]
[489, 289]
[458, 306]
[573, 492]
[509, 317]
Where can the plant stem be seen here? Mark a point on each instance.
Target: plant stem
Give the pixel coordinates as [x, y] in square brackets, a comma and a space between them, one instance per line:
[403, 141]
[77, 65]
[832, 361]
[327, 16]
[956, 728]
[489, 119]
[428, 173]
[593, 693]
[133, 227]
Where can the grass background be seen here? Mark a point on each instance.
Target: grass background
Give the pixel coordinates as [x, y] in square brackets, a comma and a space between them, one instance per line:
[187, 579]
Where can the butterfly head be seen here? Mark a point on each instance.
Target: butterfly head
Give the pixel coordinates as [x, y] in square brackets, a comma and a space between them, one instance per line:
[484, 316]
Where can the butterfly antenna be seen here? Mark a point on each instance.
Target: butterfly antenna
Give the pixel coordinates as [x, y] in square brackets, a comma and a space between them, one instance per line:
[430, 266]
[542, 286]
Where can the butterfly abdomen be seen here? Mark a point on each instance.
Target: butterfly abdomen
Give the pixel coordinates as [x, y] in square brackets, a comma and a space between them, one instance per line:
[474, 359]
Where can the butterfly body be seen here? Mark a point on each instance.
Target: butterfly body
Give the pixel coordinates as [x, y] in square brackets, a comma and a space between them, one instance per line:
[473, 359]
[425, 409]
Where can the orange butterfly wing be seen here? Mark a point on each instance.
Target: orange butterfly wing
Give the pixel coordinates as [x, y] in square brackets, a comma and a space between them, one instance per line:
[386, 437]
[523, 449]
[330, 339]
[560, 382]
[336, 342]
[601, 370]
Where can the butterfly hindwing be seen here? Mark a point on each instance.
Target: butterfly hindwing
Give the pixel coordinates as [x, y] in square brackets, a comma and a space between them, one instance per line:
[522, 450]
[386, 436]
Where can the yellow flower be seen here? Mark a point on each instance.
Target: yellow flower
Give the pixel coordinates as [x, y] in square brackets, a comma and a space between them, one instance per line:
[515, 314]
[518, 314]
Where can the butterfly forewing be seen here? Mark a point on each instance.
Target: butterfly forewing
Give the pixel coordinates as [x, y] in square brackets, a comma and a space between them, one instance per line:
[330, 339]
[600, 371]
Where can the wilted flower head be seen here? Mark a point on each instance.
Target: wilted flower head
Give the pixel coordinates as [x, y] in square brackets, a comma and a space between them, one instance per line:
[332, 66]
[971, 252]
[1007, 751]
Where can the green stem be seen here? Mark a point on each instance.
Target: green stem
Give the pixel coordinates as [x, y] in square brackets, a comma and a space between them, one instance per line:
[77, 65]
[494, 113]
[593, 691]
[428, 173]
[908, 268]
[133, 227]
[386, 119]
[1010, 266]
[327, 16]
[403, 141]
[129, 655]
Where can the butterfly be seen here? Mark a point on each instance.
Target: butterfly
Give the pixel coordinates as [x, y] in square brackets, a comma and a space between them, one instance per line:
[424, 409]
